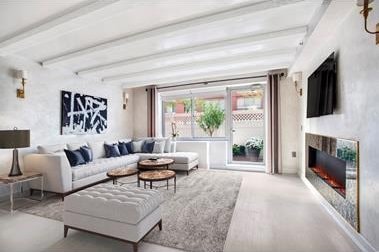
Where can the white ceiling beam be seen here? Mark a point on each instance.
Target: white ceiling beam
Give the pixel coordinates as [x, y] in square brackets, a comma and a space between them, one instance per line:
[255, 57]
[171, 27]
[250, 38]
[65, 23]
[243, 71]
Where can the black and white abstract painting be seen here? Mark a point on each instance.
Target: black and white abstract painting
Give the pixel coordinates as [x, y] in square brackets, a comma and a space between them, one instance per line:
[83, 114]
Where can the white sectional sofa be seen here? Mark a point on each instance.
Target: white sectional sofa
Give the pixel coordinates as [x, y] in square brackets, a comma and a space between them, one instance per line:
[61, 178]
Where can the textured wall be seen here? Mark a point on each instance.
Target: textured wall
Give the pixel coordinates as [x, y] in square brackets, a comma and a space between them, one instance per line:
[357, 115]
[140, 112]
[289, 125]
[40, 111]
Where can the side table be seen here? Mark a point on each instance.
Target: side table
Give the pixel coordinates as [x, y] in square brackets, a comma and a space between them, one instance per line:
[26, 176]
[120, 173]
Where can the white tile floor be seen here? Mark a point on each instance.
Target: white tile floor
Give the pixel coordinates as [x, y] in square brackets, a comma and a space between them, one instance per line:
[273, 213]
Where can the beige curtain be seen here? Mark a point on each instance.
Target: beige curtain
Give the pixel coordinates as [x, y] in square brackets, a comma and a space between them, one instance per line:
[151, 110]
[273, 124]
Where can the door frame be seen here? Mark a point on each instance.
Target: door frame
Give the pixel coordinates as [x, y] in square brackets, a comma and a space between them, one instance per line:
[229, 122]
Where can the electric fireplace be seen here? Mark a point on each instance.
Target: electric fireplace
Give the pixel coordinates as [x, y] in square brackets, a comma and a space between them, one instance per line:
[332, 167]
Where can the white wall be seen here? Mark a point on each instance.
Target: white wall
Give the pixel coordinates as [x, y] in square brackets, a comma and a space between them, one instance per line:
[357, 115]
[140, 112]
[289, 126]
[40, 111]
[218, 154]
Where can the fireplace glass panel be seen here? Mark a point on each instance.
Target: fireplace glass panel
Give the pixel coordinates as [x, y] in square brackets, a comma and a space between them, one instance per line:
[332, 167]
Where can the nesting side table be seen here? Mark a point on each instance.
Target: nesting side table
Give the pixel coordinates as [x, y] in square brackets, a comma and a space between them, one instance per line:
[26, 176]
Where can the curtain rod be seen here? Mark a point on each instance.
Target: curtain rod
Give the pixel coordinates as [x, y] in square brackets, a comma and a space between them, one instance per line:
[212, 81]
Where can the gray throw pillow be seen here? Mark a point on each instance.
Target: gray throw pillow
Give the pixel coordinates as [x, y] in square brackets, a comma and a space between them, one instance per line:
[137, 146]
[159, 146]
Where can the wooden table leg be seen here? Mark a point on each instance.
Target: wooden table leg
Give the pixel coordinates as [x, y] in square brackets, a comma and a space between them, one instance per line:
[138, 182]
[151, 184]
[175, 184]
[167, 184]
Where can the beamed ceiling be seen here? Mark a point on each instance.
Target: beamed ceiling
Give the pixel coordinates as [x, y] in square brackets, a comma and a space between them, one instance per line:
[141, 42]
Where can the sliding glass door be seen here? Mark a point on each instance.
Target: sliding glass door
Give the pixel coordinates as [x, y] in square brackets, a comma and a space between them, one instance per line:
[246, 119]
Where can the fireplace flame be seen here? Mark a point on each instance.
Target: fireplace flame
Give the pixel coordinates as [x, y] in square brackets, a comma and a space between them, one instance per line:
[320, 172]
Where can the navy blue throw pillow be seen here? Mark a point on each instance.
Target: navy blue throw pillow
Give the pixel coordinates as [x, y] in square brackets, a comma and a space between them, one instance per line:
[129, 146]
[74, 157]
[86, 153]
[111, 150]
[123, 149]
[148, 147]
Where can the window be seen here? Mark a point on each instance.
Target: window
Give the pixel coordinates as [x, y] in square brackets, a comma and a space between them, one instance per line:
[249, 100]
[197, 116]
[177, 117]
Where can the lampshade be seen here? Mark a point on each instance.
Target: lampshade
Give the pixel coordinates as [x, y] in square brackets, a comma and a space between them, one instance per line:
[21, 74]
[11, 139]
[361, 2]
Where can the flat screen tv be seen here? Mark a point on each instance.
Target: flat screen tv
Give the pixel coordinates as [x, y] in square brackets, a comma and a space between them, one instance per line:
[322, 85]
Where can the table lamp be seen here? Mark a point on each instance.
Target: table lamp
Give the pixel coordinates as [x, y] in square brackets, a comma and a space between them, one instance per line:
[13, 139]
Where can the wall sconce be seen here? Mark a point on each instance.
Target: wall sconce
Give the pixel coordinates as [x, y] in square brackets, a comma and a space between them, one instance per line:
[365, 12]
[23, 76]
[296, 77]
[125, 100]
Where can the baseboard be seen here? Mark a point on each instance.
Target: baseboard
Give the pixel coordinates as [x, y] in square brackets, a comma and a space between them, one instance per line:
[357, 238]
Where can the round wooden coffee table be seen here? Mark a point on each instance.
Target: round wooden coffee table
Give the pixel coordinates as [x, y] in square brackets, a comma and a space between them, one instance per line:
[121, 172]
[160, 163]
[157, 175]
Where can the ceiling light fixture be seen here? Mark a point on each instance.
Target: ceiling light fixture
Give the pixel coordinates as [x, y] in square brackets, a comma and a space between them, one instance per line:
[365, 12]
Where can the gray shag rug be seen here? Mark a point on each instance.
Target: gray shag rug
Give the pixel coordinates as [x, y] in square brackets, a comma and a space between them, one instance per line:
[196, 218]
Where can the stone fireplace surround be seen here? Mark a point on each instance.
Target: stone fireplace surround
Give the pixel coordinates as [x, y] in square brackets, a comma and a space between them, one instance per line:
[342, 156]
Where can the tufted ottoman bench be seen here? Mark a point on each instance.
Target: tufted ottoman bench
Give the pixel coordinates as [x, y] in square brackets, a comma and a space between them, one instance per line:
[123, 213]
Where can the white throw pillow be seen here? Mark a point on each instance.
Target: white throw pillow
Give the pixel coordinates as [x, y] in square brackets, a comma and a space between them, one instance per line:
[97, 149]
[159, 146]
[167, 144]
[50, 149]
[137, 146]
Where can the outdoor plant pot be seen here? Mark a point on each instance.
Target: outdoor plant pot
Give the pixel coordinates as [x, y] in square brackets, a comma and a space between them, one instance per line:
[254, 154]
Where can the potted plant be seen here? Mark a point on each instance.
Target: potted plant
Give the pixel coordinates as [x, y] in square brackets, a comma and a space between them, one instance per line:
[254, 146]
[174, 131]
[238, 150]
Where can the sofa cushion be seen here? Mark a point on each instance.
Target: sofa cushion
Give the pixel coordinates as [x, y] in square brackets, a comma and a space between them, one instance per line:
[102, 165]
[129, 146]
[137, 146]
[178, 157]
[111, 150]
[123, 149]
[148, 146]
[159, 146]
[167, 141]
[51, 149]
[75, 146]
[132, 204]
[74, 157]
[86, 153]
[97, 149]
[125, 140]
